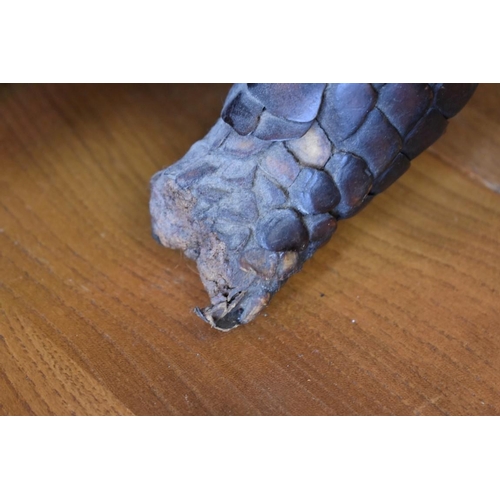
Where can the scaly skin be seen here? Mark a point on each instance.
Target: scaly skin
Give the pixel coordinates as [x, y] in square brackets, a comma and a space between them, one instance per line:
[254, 199]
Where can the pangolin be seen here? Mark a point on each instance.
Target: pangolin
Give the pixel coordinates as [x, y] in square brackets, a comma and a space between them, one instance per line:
[264, 189]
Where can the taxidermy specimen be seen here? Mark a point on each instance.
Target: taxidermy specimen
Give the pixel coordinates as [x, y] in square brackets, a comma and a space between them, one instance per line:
[255, 198]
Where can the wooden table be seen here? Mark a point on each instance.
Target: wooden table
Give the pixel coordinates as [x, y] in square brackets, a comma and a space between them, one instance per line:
[398, 314]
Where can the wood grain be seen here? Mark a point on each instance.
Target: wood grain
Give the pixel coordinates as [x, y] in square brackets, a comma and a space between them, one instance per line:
[398, 314]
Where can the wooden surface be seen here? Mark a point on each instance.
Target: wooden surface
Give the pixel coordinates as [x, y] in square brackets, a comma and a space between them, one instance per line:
[398, 314]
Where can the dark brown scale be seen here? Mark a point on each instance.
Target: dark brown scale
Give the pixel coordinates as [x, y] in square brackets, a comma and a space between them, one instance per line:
[404, 104]
[298, 102]
[282, 230]
[376, 141]
[452, 97]
[427, 130]
[314, 192]
[353, 180]
[242, 113]
[263, 262]
[273, 128]
[320, 227]
[345, 108]
[396, 169]
[255, 199]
